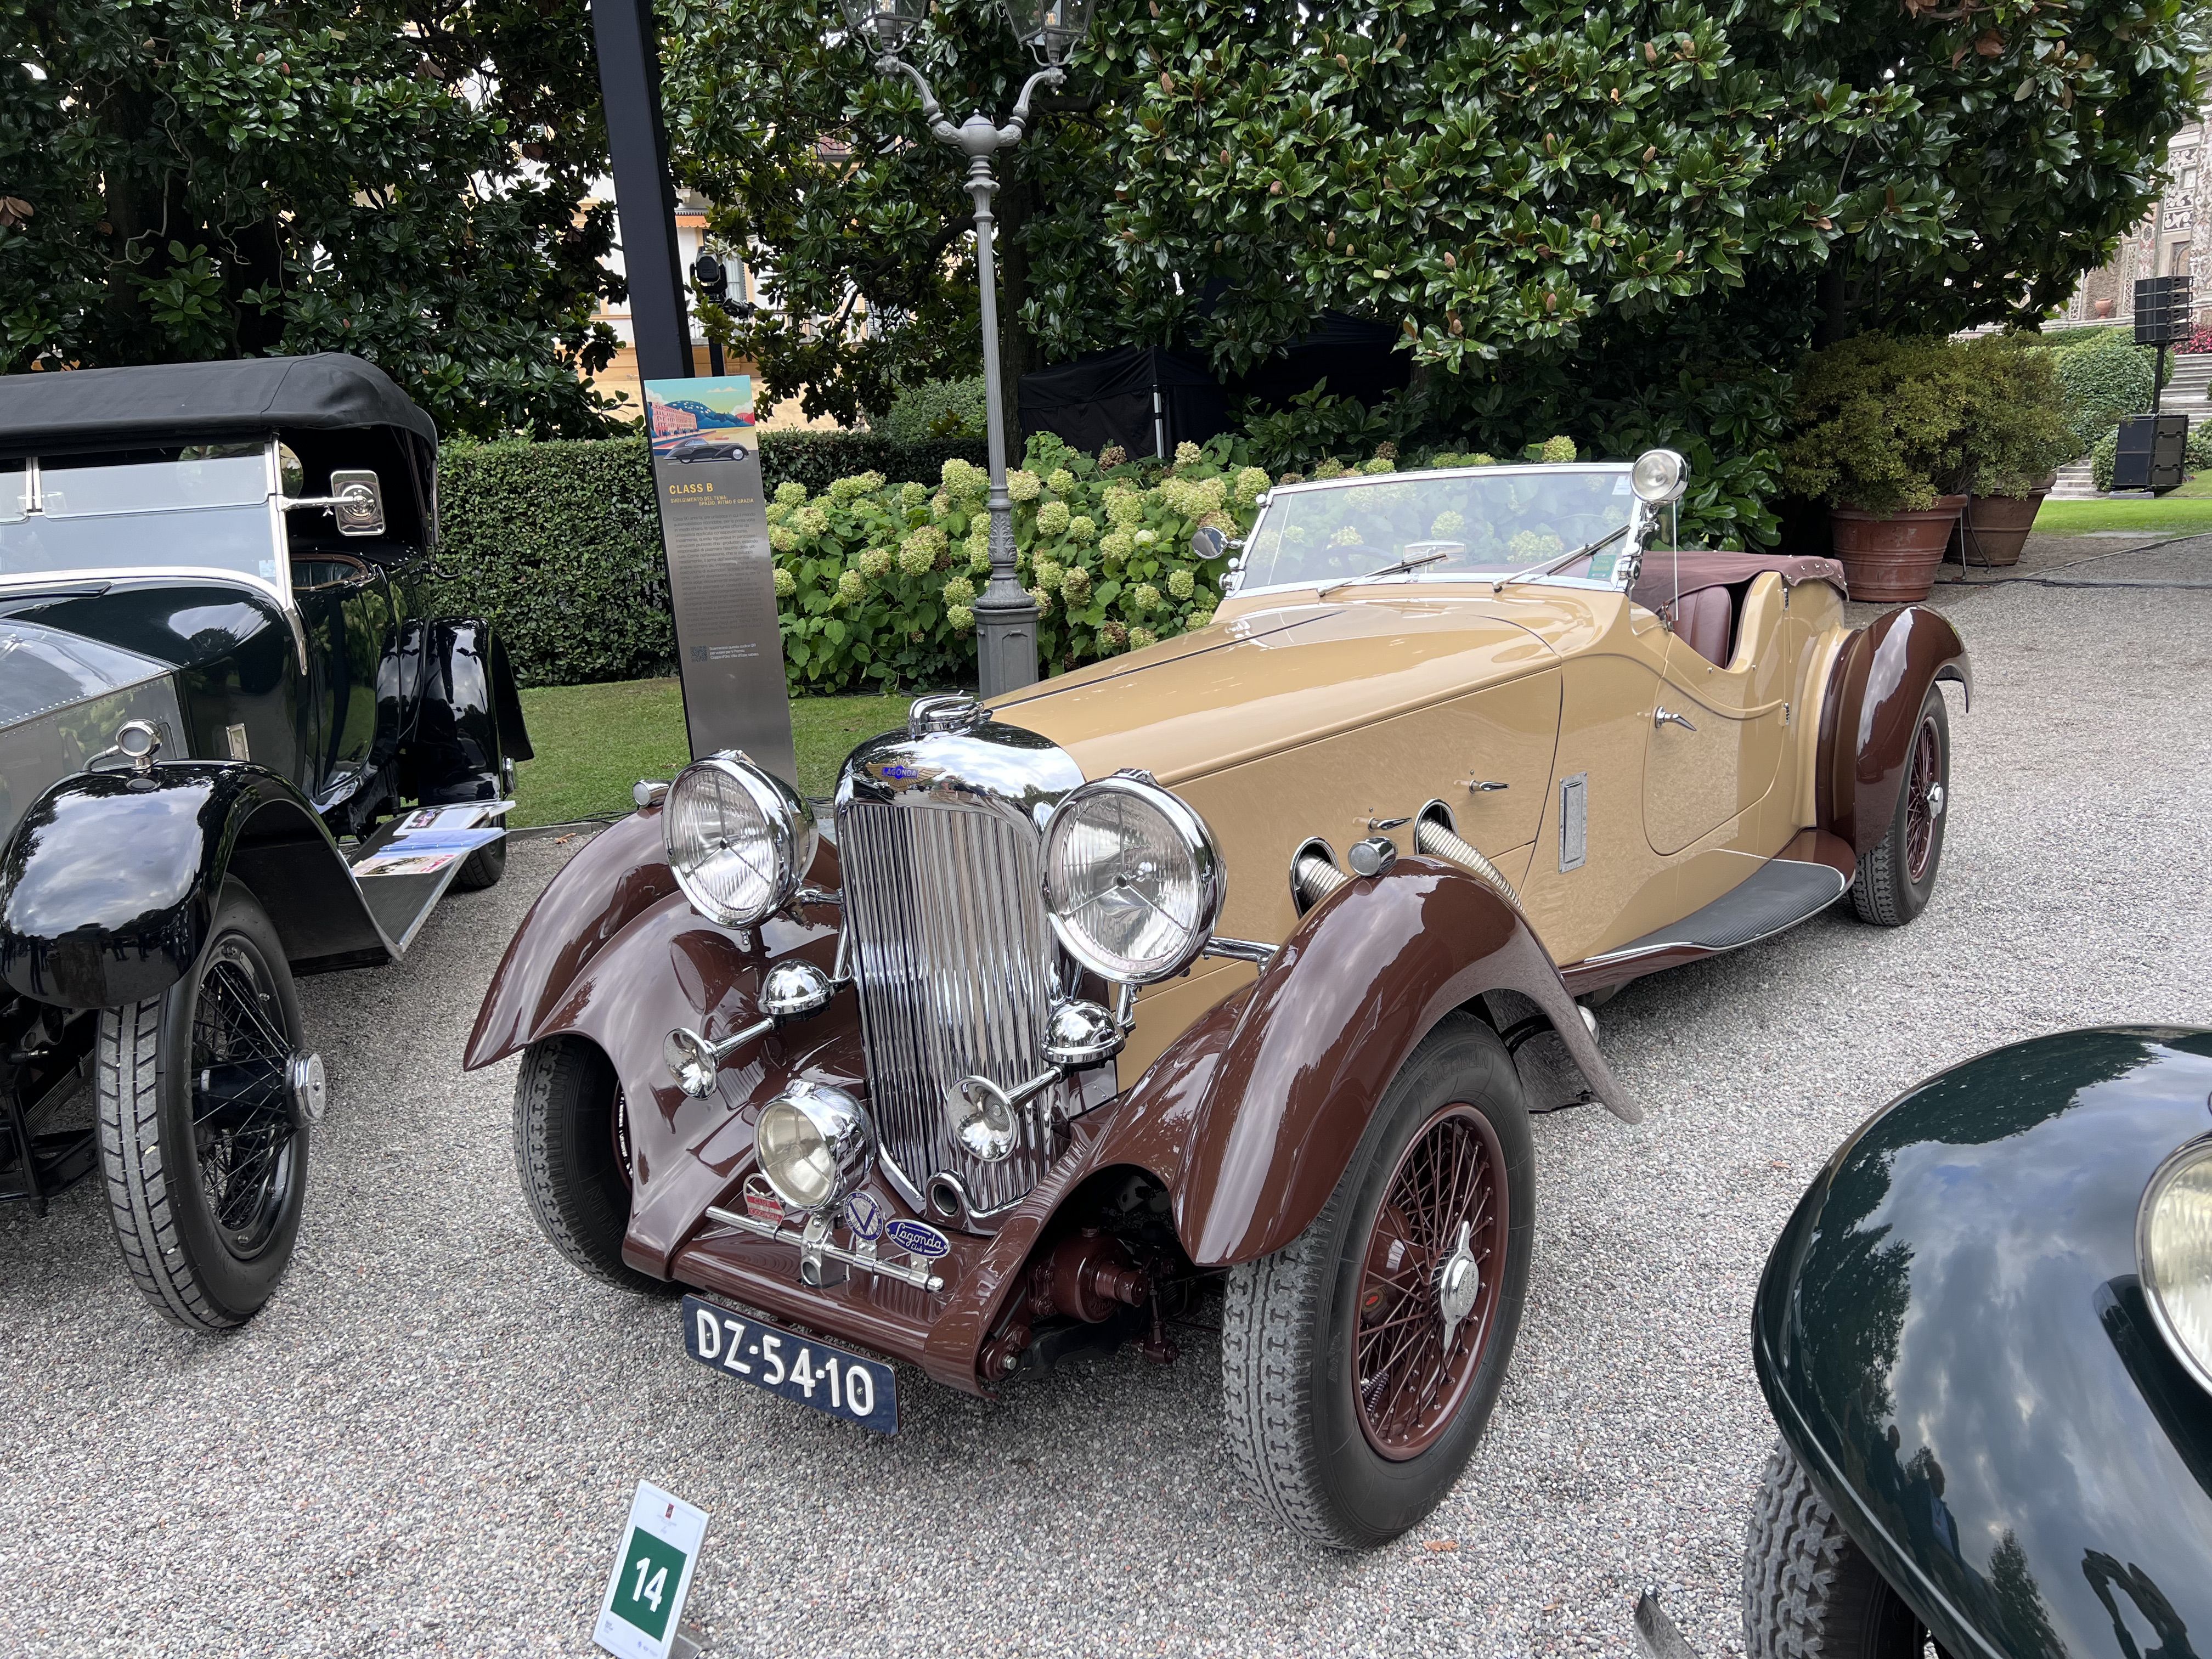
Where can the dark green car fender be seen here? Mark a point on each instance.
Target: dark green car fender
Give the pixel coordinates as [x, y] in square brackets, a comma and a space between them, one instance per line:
[1954, 1341]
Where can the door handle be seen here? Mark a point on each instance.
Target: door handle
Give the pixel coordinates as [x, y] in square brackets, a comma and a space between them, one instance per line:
[1663, 715]
[1486, 786]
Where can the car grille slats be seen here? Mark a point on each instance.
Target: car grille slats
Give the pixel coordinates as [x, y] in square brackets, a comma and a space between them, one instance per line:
[954, 962]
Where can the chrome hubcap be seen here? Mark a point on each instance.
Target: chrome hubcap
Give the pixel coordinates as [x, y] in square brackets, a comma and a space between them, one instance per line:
[1459, 1283]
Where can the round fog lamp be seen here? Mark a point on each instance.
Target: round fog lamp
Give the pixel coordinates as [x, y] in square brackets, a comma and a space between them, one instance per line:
[815, 1143]
[739, 839]
[1132, 881]
[2173, 1243]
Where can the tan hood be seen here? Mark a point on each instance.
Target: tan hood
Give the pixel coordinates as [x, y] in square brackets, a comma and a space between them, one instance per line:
[1267, 679]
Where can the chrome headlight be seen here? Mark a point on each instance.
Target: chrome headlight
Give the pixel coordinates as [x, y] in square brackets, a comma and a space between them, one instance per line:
[1132, 881]
[815, 1143]
[740, 839]
[2173, 1246]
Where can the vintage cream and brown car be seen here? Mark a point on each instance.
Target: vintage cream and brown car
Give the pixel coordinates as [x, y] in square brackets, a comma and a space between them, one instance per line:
[1242, 957]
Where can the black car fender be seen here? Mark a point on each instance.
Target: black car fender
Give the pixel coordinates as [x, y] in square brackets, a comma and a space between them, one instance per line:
[109, 886]
[469, 723]
[1952, 1337]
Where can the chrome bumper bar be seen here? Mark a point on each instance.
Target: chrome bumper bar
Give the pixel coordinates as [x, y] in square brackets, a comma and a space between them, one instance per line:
[814, 1248]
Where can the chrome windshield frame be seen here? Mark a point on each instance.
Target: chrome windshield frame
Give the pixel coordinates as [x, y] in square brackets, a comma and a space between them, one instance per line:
[1643, 520]
[278, 592]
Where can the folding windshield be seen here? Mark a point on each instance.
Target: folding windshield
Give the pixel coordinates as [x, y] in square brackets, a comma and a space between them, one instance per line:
[203, 508]
[1476, 521]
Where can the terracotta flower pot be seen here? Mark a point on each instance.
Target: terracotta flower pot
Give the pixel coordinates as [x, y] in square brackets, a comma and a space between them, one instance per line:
[2104, 307]
[1893, 556]
[1994, 528]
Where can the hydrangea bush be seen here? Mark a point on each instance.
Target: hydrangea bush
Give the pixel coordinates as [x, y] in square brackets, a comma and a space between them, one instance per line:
[878, 581]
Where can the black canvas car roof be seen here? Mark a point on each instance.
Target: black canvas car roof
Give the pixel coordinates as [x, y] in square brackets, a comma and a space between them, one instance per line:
[174, 402]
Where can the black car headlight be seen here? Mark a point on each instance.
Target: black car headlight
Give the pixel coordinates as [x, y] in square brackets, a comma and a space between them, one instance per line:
[2173, 1246]
[739, 839]
[1133, 880]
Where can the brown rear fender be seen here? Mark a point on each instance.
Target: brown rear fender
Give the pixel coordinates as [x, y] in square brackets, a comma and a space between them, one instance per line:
[1872, 710]
[1251, 1117]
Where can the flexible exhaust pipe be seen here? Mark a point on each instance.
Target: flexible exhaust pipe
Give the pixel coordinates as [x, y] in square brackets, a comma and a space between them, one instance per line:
[1315, 877]
[1435, 837]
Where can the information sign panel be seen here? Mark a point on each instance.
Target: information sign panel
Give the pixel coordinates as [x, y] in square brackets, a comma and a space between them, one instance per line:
[643, 1609]
[722, 575]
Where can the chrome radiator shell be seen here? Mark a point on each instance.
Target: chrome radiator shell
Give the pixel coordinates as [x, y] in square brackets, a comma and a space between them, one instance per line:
[939, 838]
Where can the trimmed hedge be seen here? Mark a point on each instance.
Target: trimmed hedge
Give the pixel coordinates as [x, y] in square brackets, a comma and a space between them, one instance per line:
[938, 409]
[558, 545]
[2101, 379]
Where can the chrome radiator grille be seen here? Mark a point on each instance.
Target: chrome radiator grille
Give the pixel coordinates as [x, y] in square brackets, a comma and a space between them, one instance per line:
[954, 961]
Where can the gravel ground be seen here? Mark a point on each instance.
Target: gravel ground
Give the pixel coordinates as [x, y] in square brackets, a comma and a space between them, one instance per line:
[427, 1442]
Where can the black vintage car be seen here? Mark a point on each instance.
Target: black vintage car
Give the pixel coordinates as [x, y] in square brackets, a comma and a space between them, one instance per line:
[1986, 1336]
[237, 744]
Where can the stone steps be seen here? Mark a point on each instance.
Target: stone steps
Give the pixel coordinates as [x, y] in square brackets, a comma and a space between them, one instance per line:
[2073, 484]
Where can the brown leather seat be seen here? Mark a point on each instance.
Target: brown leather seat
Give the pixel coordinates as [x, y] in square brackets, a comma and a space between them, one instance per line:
[1706, 619]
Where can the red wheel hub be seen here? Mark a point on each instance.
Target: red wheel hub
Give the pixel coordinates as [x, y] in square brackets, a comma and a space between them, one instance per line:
[1427, 1301]
[1923, 800]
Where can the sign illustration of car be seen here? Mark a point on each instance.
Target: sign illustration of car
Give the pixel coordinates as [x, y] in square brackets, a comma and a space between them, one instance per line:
[221, 692]
[1986, 1339]
[704, 449]
[1242, 957]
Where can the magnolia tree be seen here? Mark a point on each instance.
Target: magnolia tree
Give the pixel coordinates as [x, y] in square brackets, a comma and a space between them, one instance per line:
[195, 179]
[1623, 222]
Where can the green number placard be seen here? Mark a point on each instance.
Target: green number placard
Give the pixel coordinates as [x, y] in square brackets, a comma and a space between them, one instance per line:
[641, 1611]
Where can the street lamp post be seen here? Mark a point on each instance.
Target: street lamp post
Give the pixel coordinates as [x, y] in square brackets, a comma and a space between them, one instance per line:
[1006, 616]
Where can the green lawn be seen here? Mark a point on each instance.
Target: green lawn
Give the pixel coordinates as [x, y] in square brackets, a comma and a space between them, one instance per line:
[2183, 513]
[593, 742]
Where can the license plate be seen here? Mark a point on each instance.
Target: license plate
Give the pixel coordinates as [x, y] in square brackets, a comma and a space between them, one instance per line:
[805, 1369]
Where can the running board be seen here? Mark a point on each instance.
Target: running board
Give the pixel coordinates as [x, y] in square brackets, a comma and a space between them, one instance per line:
[1797, 883]
[405, 869]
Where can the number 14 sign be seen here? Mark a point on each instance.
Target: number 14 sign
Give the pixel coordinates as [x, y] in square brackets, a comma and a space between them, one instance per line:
[643, 1607]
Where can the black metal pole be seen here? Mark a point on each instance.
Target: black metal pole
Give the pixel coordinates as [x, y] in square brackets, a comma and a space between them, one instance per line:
[645, 199]
[2158, 377]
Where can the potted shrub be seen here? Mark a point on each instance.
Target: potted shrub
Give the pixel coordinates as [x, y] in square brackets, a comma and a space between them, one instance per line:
[1879, 432]
[2016, 436]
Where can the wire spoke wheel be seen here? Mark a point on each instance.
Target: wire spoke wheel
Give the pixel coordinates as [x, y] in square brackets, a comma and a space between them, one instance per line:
[1923, 799]
[243, 1129]
[1433, 1265]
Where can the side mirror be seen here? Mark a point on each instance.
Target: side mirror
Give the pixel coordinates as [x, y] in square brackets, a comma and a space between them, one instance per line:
[358, 503]
[1207, 543]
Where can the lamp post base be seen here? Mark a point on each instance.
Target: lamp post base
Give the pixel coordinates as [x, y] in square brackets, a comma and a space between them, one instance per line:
[1006, 648]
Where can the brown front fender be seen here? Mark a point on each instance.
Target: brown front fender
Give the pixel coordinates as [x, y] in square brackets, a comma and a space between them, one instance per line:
[1251, 1116]
[1880, 679]
[620, 873]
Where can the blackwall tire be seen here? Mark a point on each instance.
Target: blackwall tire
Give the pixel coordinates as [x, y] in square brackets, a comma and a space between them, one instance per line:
[1808, 1592]
[206, 1218]
[568, 1137]
[483, 867]
[1895, 879]
[1295, 1323]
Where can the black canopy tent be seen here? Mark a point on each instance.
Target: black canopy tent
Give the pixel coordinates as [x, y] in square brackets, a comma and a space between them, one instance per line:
[1145, 398]
[301, 400]
[1148, 399]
